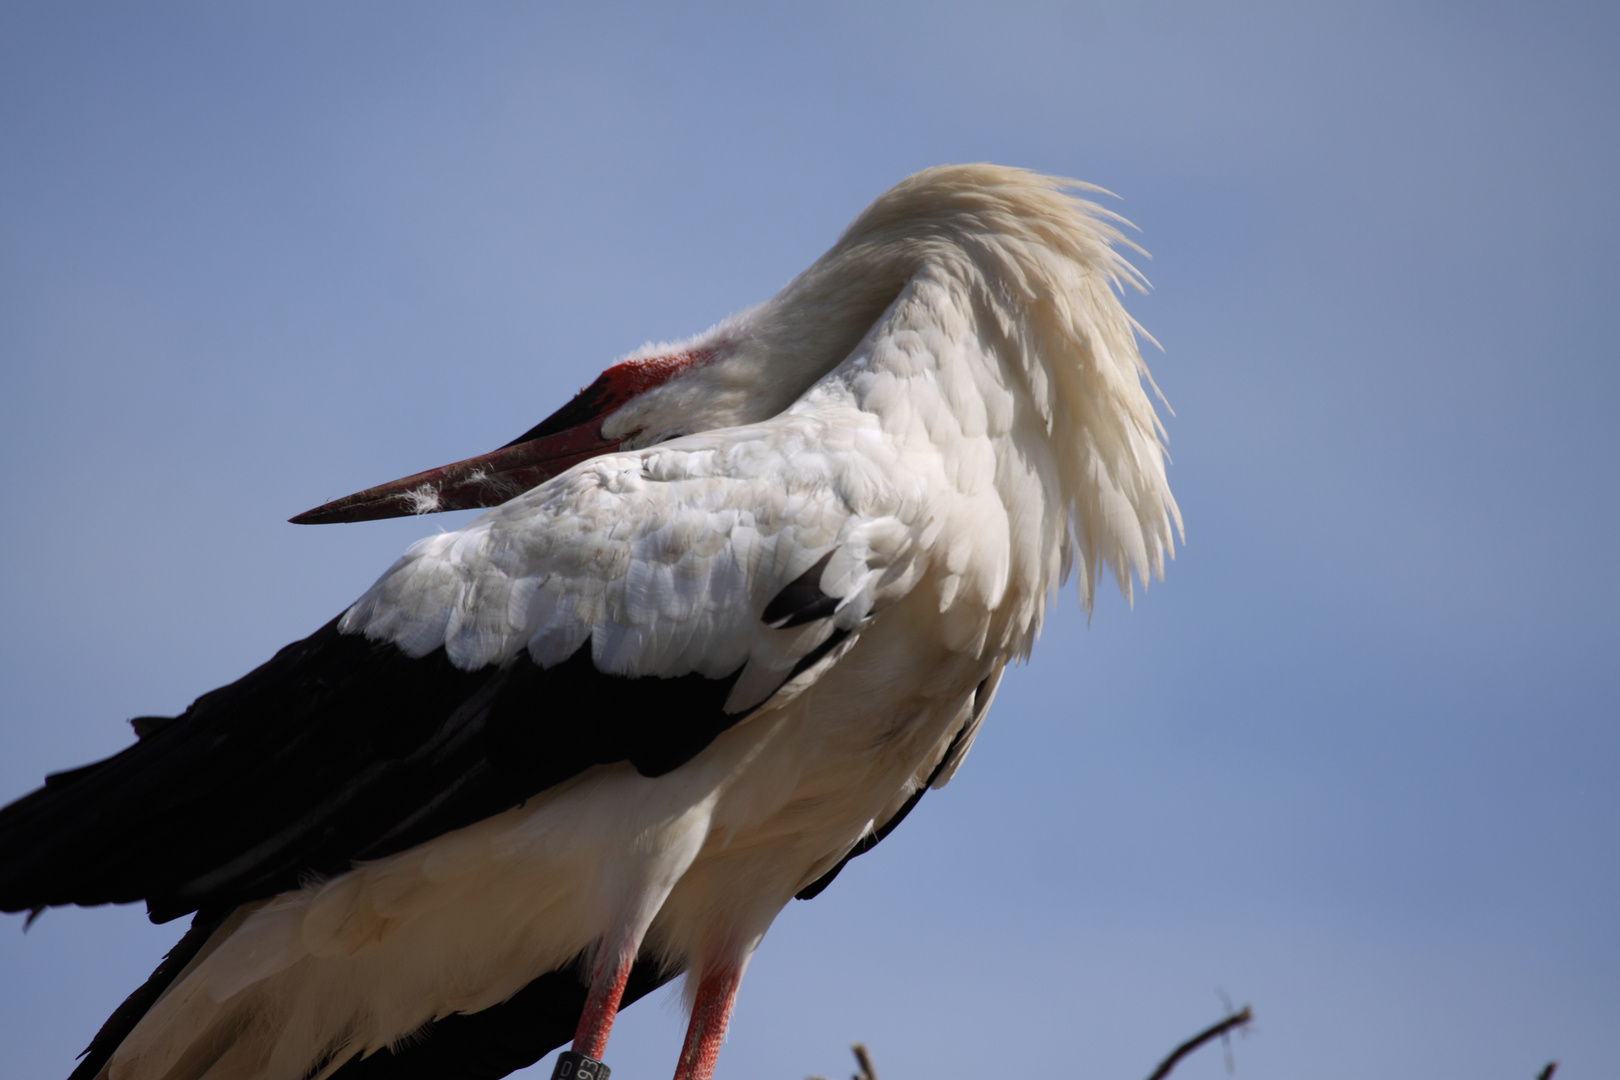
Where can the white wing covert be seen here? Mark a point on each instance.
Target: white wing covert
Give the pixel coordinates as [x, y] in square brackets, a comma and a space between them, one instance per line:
[663, 560]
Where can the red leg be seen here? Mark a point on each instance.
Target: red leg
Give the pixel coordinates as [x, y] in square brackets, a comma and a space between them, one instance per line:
[710, 1014]
[612, 971]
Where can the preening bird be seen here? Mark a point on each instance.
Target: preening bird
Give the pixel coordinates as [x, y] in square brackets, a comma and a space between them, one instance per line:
[735, 607]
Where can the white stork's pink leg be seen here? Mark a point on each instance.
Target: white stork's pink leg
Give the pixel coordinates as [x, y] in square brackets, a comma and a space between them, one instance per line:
[710, 1013]
[612, 971]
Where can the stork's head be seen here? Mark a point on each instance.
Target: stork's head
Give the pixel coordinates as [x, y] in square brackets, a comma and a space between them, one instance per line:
[747, 369]
[646, 398]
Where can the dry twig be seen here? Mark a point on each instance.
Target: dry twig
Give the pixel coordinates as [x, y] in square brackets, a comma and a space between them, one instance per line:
[864, 1061]
[1238, 1019]
[1235, 1021]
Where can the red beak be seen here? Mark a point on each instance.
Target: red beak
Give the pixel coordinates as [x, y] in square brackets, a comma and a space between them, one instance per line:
[487, 480]
[567, 437]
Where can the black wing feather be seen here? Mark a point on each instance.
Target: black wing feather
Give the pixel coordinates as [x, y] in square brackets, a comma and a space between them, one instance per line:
[801, 600]
[338, 749]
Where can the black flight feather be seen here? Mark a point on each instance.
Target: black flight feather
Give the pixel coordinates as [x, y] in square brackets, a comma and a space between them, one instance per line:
[338, 749]
[801, 600]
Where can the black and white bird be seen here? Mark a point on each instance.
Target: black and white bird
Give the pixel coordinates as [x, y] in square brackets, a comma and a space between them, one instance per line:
[737, 605]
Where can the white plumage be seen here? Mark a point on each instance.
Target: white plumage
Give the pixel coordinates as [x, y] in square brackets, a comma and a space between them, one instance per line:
[945, 414]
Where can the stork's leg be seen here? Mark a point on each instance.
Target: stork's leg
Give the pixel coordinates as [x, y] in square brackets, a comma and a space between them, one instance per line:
[716, 993]
[613, 963]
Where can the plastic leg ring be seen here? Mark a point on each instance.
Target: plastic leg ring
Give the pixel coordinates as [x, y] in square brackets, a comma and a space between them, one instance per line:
[572, 1066]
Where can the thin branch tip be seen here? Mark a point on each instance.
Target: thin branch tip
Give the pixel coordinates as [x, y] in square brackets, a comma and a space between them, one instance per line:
[863, 1061]
[1236, 1021]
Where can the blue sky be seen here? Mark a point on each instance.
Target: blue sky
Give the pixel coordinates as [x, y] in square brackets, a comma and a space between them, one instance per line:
[1355, 761]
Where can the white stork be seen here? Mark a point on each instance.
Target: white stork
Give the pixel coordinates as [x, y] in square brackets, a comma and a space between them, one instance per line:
[737, 605]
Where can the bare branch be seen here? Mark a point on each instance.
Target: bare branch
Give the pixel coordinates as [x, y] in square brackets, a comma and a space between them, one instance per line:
[1234, 1021]
[1239, 1019]
[864, 1061]
[1546, 1074]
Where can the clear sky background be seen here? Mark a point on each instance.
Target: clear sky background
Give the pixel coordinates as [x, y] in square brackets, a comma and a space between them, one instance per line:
[1356, 761]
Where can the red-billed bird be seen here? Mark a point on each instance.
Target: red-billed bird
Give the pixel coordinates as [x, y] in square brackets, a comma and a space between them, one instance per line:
[737, 606]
